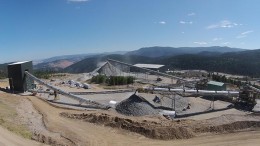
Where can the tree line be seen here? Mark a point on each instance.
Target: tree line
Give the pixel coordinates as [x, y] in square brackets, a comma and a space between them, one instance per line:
[112, 80]
[223, 78]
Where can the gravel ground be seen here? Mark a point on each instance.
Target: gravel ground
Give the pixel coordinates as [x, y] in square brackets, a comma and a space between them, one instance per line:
[197, 104]
[167, 101]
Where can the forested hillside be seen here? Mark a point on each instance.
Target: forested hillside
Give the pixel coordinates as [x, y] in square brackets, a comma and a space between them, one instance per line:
[3, 71]
[236, 62]
[158, 51]
[242, 63]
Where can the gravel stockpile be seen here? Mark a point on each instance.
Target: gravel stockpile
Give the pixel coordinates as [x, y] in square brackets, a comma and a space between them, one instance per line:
[180, 103]
[136, 106]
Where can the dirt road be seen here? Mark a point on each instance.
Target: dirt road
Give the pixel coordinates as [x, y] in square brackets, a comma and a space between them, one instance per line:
[8, 138]
[84, 133]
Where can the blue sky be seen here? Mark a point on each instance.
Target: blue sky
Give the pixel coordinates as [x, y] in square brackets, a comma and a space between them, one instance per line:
[36, 29]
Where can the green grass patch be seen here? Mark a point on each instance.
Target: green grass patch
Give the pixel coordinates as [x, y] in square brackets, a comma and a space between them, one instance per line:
[9, 116]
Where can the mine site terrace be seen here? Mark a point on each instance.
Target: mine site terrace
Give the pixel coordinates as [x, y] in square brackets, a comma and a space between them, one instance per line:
[129, 73]
[136, 103]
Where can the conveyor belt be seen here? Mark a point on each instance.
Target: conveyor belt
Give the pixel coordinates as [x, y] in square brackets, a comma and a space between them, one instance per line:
[72, 96]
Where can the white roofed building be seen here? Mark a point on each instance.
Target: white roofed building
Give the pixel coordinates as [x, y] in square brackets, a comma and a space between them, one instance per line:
[154, 67]
[149, 66]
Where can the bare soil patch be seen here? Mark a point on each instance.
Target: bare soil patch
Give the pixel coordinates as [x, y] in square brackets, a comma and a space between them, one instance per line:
[9, 117]
[147, 128]
[18, 115]
[166, 130]
[30, 117]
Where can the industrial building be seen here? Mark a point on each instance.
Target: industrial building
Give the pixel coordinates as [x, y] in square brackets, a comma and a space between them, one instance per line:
[154, 67]
[149, 66]
[216, 86]
[17, 78]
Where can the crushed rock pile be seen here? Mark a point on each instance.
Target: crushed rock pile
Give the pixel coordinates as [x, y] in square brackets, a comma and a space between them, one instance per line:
[180, 103]
[136, 106]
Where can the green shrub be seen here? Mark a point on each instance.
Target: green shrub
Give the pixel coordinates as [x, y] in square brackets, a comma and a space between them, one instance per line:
[112, 80]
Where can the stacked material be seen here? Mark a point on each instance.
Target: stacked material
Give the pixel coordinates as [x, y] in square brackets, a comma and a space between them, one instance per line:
[180, 102]
[136, 106]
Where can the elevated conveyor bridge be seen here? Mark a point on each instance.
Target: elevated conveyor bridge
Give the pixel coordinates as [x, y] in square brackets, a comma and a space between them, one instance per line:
[81, 100]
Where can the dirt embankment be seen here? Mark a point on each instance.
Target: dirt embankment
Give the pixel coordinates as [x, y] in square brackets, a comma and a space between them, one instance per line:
[228, 128]
[149, 129]
[164, 130]
[32, 119]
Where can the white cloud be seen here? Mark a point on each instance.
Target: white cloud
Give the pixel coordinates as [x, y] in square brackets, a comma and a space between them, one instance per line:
[77, 1]
[186, 22]
[212, 26]
[223, 24]
[244, 34]
[162, 22]
[241, 36]
[200, 43]
[191, 14]
[226, 23]
[247, 32]
[226, 43]
[216, 39]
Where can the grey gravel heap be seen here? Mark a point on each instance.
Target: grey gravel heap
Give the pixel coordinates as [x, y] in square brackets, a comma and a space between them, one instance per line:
[136, 106]
[180, 102]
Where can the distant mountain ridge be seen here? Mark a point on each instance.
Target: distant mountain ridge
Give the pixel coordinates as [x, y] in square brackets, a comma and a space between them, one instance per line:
[220, 59]
[3, 70]
[61, 62]
[91, 63]
[158, 51]
[242, 62]
[56, 65]
[73, 58]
